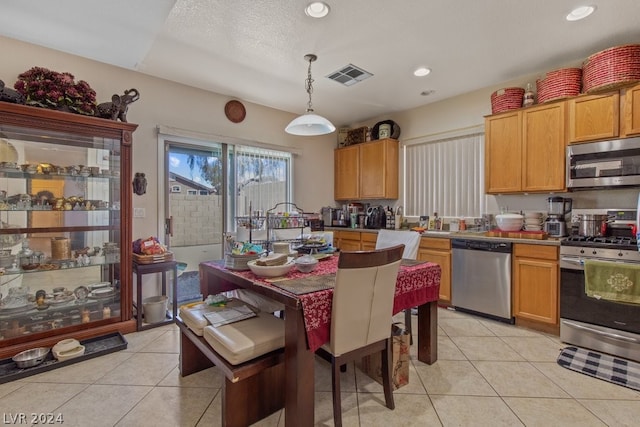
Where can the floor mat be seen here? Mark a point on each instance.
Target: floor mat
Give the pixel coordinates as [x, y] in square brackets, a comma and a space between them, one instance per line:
[609, 368]
[189, 287]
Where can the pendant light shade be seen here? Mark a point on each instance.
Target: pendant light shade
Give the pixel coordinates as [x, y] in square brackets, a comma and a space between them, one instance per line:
[310, 124]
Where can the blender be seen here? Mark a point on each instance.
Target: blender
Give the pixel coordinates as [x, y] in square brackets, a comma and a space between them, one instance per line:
[558, 208]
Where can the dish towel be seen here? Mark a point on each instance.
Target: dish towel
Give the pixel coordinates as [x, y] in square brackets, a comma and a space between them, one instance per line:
[612, 281]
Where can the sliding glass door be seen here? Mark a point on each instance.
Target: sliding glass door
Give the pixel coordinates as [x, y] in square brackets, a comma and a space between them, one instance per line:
[194, 201]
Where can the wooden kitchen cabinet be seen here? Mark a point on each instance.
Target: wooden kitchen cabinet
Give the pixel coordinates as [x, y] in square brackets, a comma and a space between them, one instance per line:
[503, 153]
[438, 251]
[346, 171]
[525, 150]
[368, 241]
[543, 148]
[347, 240]
[367, 171]
[594, 117]
[535, 285]
[630, 117]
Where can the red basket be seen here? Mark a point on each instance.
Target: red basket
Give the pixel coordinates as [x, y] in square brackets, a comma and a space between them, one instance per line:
[506, 99]
[611, 68]
[558, 84]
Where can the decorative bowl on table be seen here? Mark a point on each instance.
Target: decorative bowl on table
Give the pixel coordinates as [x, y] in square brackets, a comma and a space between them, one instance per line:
[271, 270]
[306, 263]
[510, 222]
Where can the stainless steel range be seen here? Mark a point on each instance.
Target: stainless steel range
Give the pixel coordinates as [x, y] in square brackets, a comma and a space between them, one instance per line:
[597, 323]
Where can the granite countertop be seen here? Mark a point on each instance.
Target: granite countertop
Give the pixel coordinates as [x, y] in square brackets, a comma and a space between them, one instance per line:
[475, 235]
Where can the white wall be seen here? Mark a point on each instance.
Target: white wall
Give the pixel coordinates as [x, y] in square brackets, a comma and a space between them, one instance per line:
[179, 106]
[468, 111]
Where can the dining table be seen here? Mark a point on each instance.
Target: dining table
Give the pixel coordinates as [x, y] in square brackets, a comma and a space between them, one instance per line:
[307, 299]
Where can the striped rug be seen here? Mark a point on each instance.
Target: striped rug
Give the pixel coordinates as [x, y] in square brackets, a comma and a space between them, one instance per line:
[609, 368]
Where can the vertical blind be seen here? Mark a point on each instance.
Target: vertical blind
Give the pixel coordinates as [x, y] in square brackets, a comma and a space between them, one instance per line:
[445, 176]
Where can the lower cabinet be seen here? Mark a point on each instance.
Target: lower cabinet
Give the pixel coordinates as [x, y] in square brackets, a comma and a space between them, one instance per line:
[535, 284]
[368, 241]
[438, 251]
[347, 240]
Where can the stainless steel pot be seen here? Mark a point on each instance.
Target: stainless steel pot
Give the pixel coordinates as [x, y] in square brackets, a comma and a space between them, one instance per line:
[592, 225]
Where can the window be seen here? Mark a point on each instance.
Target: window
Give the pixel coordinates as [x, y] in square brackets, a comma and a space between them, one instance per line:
[176, 189]
[260, 177]
[192, 192]
[445, 176]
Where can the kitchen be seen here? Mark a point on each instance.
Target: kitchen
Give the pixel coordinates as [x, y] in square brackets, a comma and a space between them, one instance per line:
[456, 113]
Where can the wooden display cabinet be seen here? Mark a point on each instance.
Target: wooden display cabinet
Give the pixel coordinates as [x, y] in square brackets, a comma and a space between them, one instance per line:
[66, 227]
[438, 251]
[535, 286]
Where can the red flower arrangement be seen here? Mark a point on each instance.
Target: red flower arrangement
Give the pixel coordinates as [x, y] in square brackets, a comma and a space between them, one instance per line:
[50, 89]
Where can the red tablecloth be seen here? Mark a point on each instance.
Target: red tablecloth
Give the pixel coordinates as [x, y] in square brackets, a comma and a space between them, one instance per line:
[416, 285]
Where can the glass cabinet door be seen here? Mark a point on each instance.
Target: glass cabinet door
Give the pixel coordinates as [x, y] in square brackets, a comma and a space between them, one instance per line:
[59, 231]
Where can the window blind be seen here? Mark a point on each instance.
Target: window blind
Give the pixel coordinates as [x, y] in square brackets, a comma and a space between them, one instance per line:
[445, 176]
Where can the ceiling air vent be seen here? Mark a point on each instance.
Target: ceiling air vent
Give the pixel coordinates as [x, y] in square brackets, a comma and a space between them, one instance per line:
[349, 75]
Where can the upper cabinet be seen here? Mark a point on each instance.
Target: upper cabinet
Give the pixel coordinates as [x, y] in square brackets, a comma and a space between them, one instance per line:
[630, 101]
[524, 150]
[503, 152]
[594, 117]
[367, 171]
[604, 116]
[543, 148]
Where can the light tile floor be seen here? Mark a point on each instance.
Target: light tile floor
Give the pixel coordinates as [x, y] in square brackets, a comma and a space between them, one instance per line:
[487, 374]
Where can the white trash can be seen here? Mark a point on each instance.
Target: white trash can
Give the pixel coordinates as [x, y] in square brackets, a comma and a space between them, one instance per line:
[155, 308]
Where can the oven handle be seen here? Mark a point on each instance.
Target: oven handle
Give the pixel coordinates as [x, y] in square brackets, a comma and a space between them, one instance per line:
[571, 263]
[605, 334]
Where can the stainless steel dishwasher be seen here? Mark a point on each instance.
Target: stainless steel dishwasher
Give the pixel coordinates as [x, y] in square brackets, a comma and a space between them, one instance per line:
[481, 278]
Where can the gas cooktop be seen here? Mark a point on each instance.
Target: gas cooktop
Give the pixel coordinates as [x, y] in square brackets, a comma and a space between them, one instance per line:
[613, 242]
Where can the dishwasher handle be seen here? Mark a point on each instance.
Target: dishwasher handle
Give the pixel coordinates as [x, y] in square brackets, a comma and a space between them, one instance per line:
[482, 245]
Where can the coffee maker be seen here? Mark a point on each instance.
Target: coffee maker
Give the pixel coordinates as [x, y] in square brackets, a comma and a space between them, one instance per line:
[558, 208]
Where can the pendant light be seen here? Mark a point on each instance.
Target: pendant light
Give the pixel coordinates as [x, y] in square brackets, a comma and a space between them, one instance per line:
[310, 124]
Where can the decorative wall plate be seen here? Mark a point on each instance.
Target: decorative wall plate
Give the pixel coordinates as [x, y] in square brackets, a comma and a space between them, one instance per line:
[235, 111]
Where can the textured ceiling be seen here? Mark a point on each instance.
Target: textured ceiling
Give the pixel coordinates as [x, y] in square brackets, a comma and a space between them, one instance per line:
[254, 49]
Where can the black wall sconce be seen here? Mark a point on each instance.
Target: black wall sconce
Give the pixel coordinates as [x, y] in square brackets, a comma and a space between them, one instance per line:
[139, 183]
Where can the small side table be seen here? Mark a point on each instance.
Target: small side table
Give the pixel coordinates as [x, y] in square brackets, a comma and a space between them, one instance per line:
[162, 268]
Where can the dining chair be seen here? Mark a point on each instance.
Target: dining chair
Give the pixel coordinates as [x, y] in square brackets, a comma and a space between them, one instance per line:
[411, 241]
[361, 315]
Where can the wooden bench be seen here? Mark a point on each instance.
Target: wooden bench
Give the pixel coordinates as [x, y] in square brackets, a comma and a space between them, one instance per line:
[252, 390]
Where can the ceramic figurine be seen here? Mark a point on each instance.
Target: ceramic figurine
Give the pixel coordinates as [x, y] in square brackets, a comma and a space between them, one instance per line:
[117, 108]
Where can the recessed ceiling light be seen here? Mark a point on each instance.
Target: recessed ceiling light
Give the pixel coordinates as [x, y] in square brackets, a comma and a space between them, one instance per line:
[317, 9]
[580, 13]
[422, 71]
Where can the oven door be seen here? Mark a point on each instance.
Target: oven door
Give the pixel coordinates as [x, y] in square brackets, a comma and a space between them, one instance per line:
[600, 325]
[576, 305]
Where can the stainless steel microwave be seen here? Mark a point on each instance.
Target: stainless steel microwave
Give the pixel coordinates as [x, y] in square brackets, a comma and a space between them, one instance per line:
[604, 164]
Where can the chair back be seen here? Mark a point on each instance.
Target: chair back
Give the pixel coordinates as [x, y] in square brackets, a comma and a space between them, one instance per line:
[410, 240]
[362, 307]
